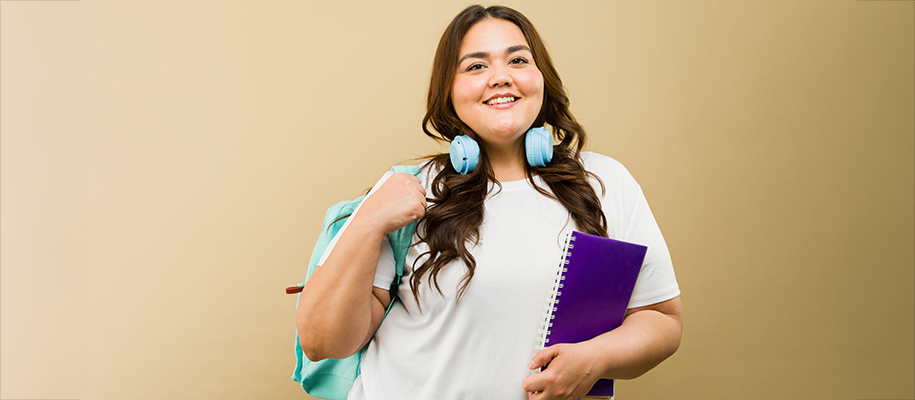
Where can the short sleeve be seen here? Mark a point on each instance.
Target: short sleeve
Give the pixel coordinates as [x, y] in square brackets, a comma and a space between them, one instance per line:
[386, 270]
[656, 282]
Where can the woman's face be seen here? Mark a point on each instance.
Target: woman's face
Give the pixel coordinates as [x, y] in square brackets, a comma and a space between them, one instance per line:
[498, 90]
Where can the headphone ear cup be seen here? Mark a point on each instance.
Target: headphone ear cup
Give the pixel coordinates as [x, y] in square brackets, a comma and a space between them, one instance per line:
[465, 154]
[539, 147]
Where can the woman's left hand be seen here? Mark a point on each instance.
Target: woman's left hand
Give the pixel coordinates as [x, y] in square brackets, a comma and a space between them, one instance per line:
[570, 375]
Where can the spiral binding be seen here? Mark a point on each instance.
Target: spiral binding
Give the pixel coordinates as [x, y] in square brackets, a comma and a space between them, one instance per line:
[550, 308]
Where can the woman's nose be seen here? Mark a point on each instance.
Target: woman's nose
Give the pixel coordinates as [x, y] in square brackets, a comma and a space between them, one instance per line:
[501, 76]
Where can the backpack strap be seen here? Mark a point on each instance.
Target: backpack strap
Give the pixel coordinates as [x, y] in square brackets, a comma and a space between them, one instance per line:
[403, 238]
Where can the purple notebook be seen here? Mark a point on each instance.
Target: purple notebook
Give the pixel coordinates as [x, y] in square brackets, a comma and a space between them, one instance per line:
[591, 292]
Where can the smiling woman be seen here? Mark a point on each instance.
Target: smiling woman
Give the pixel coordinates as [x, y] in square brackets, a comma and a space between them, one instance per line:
[498, 90]
[462, 319]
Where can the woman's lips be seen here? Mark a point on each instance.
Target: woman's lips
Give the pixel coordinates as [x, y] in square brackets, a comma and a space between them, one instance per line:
[501, 99]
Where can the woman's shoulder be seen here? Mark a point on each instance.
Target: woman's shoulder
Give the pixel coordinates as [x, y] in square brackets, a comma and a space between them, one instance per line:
[607, 168]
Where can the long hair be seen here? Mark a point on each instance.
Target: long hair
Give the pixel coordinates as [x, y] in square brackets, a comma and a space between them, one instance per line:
[456, 212]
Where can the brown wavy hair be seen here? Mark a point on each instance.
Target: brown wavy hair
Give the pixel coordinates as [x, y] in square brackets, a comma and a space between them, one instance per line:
[456, 208]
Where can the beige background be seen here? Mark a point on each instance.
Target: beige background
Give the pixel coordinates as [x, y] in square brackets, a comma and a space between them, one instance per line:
[165, 166]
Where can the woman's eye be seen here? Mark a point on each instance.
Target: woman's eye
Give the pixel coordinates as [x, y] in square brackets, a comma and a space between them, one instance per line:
[474, 66]
[519, 60]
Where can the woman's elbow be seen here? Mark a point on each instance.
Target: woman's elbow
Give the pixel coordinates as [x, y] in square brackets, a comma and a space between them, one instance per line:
[312, 345]
[318, 346]
[307, 339]
[311, 352]
[316, 351]
[310, 339]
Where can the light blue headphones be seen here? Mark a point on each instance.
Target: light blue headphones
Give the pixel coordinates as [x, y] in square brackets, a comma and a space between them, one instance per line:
[538, 145]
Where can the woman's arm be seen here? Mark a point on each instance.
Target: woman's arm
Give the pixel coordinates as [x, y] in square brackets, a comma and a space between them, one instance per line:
[340, 308]
[647, 336]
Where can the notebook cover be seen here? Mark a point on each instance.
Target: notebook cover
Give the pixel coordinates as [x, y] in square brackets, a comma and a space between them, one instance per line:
[600, 276]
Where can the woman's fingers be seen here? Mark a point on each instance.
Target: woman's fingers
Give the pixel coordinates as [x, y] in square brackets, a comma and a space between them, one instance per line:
[400, 200]
[568, 374]
[538, 382]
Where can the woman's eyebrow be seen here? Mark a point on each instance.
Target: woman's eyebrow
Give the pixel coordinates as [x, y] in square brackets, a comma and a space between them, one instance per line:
[484, 54]
[479, 54]
[518, 47]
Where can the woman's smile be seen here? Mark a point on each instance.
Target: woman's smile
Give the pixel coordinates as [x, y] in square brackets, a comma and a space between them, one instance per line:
[501, 99]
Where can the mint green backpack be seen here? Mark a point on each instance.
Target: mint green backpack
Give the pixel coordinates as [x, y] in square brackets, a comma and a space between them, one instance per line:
[332, 379]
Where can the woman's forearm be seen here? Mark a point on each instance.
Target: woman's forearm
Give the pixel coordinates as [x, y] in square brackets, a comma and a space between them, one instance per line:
[647, 336]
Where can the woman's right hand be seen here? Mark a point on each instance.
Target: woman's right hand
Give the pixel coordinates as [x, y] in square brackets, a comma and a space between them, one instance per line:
[401, 199]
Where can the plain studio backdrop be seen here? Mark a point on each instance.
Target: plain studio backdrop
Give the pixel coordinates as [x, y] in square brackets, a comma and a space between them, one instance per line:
[166, 166]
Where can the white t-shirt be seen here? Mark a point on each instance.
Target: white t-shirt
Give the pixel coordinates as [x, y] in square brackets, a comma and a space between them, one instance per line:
[479, 347]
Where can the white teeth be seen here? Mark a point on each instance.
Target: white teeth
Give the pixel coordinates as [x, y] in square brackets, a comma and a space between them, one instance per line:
[501, 100]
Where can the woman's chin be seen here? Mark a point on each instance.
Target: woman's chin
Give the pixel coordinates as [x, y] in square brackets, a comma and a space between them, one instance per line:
[504, 133]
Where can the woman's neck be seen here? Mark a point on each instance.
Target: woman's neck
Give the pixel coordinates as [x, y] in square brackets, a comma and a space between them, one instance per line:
[507, 164]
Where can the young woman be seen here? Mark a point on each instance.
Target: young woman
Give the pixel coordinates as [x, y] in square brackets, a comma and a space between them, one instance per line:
[488, 242]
